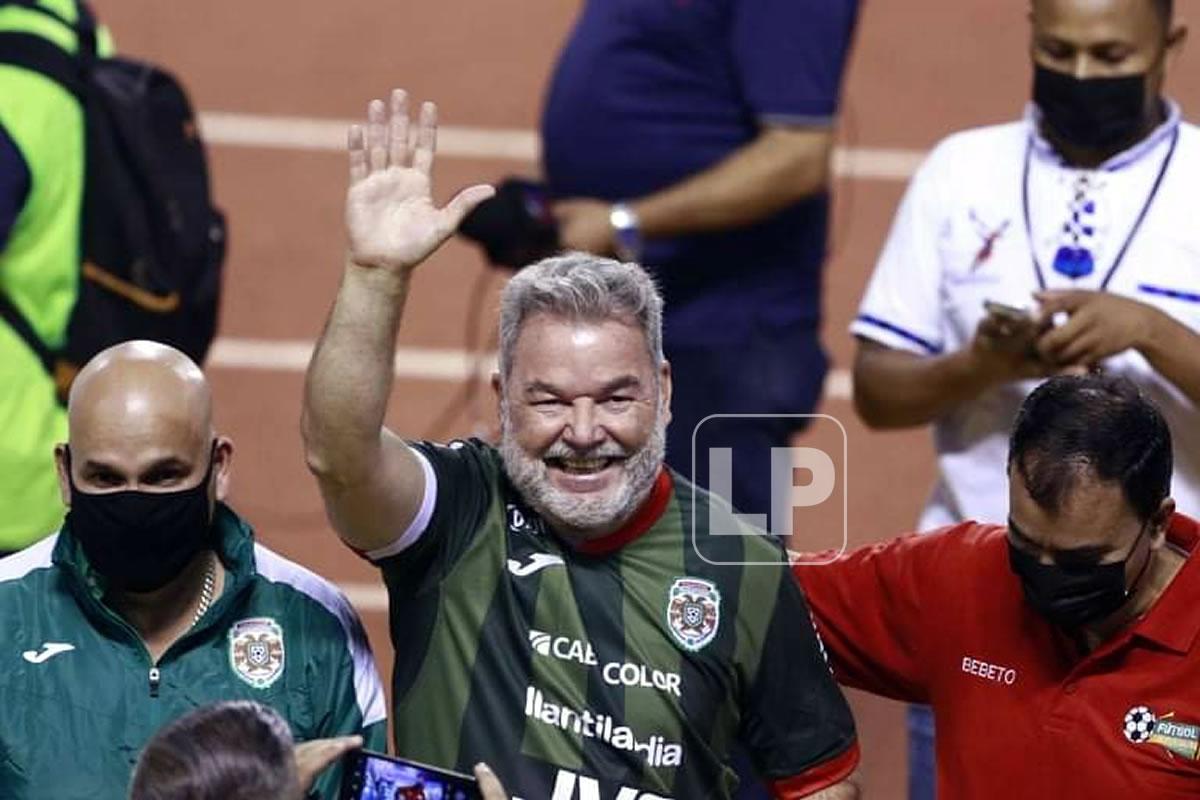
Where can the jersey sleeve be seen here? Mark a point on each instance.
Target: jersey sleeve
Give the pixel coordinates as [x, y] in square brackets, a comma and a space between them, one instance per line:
[796, 724]
[872, 611]
[902, 308]
[462, 479]
[790, 56]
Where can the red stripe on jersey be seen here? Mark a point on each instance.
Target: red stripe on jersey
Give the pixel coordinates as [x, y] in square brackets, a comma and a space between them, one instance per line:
[641, 521]
[819, 777]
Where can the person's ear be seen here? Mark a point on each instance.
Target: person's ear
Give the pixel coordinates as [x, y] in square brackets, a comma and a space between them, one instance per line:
[1166, 62]
[664, 377]
[1161, 521]
[1176, 39]
[222, 467]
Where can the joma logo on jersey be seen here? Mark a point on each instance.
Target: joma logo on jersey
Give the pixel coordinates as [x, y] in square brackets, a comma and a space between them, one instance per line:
[569, 786]
[614, 673]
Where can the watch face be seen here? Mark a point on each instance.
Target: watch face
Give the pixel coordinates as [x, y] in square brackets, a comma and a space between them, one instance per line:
[627, 237]
[622, 218]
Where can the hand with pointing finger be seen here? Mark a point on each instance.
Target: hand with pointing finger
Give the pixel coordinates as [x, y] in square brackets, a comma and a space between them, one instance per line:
[391, 220]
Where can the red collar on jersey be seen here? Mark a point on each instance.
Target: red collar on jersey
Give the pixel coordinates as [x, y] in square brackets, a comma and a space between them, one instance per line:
[641, 521]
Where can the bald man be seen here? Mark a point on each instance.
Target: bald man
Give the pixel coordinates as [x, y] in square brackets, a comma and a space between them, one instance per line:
[153, 598]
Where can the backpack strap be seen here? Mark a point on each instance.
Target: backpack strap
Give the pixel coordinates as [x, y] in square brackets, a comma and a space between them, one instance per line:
[34, 5]
[39, 55]
[59, 369]
[16, 320]
[84, 28]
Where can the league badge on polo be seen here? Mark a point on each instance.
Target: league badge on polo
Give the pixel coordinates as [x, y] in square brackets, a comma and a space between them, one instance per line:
[256, 651]
[693, 612]
[1143, 726]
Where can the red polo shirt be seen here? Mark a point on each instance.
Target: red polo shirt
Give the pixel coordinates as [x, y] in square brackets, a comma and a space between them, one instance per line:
[940, 619]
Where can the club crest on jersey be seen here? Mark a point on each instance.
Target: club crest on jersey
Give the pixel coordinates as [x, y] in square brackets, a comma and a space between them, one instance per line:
[256, 652]
[693, 612]
[1143, 726]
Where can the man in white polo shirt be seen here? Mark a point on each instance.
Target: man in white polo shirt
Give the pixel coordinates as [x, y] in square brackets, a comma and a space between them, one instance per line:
[1084, 213]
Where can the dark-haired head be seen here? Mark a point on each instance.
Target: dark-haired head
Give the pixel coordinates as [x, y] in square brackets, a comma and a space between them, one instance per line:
[1094, 428]
[1078, 45]
[228, 751]
[1089, 473]
[1089, 507]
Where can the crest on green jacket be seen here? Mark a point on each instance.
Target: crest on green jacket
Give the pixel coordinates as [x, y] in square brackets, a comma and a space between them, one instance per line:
[256, 652]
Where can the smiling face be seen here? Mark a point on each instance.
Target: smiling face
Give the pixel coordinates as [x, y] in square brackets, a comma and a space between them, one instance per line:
[583, 421]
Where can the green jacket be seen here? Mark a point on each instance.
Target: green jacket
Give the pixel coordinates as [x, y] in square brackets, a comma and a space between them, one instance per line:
[79, 695]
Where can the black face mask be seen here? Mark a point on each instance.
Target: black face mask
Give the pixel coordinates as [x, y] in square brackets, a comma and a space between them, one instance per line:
[141, 541]
[1097, 114]
[1074, 597]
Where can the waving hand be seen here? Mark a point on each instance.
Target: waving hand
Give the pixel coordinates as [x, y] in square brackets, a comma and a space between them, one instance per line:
[391, 220]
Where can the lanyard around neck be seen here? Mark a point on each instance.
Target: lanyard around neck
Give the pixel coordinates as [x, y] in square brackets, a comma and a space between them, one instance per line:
[1037, 266]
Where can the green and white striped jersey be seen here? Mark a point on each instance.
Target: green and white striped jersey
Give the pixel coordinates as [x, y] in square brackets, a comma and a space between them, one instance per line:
[624, 669]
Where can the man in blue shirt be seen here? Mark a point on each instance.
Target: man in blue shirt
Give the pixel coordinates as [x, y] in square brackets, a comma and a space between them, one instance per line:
[694, 136]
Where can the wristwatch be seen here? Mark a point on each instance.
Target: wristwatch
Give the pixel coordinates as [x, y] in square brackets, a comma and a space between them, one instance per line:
[627, 232]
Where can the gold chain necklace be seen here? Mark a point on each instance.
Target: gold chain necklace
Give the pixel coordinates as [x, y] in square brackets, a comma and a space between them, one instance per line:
[206, 593]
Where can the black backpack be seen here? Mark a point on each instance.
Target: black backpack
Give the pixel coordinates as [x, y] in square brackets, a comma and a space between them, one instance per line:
[153, 243]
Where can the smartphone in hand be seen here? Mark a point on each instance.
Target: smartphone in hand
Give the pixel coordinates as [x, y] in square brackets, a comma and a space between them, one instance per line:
[1013, 315]
[376, 776]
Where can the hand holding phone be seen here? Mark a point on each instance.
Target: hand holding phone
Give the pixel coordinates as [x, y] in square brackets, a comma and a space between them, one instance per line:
[1005, 343]
[375, 776]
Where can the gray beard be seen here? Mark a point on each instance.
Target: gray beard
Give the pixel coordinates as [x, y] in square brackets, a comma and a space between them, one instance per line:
[590, 515]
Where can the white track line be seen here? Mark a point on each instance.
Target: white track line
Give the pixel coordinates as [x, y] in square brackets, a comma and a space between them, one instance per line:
[414, 363]
[233, 129]
[421, 363]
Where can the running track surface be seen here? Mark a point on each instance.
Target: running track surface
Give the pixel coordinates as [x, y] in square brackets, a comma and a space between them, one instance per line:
[921, 68]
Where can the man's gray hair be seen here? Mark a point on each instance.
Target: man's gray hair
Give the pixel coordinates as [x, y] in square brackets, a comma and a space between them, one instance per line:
[580, 286]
